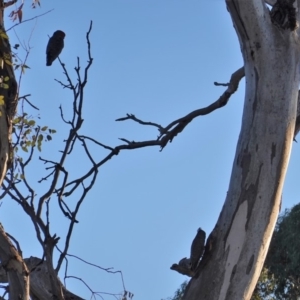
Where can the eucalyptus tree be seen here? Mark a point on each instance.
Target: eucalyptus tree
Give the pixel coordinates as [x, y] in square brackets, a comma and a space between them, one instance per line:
[237, 246]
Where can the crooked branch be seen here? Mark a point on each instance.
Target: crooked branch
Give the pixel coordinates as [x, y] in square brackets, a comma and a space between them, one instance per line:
[166, 133]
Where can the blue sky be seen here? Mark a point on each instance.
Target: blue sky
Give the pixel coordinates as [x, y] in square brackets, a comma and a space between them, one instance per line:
[157, 60]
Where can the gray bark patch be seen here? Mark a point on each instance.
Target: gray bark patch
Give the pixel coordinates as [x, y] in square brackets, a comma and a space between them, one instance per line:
[250, 264]
[233, 272]
[273, 153]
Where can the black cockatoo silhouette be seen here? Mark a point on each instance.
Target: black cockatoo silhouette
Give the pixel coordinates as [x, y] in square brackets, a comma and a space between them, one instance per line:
[55, 46]
[188, 266]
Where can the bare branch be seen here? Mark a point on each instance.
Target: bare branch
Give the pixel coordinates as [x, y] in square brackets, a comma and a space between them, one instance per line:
[96, 142]
[134, 118]
[16, 242]
[166, 133]
[25, 97]
[108, 270]
[29, 19]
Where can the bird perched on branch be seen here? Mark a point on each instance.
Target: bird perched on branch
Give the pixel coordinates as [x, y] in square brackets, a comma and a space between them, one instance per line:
[189, 266]
[55, 46]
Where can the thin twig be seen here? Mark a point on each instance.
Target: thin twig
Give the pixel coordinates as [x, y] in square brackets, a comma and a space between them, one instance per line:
[29, 19]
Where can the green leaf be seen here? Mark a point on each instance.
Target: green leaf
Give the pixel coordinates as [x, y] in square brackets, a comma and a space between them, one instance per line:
[3, 35]
[16, 120]
[2, 102]
[28, 131]
[31, 123]
[8, 62]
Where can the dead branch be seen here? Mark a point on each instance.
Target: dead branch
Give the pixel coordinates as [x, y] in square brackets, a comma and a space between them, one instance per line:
[166, 133]
[46, 284]
[170, 131]
[27, 20]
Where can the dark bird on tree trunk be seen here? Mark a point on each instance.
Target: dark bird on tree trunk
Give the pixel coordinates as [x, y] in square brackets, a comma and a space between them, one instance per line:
[197, 248]
[55, 46]
[189, 266]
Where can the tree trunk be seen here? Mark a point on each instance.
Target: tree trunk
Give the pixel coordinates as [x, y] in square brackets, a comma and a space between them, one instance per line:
[8, 97]
[12, 262]
[237, 247]
[15, 269]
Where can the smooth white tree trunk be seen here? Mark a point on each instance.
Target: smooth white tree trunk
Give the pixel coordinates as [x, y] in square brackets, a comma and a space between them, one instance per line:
[237, 247]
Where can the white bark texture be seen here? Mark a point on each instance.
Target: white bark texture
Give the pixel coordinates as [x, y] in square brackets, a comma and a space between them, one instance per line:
[4, 143]
[237, 247]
